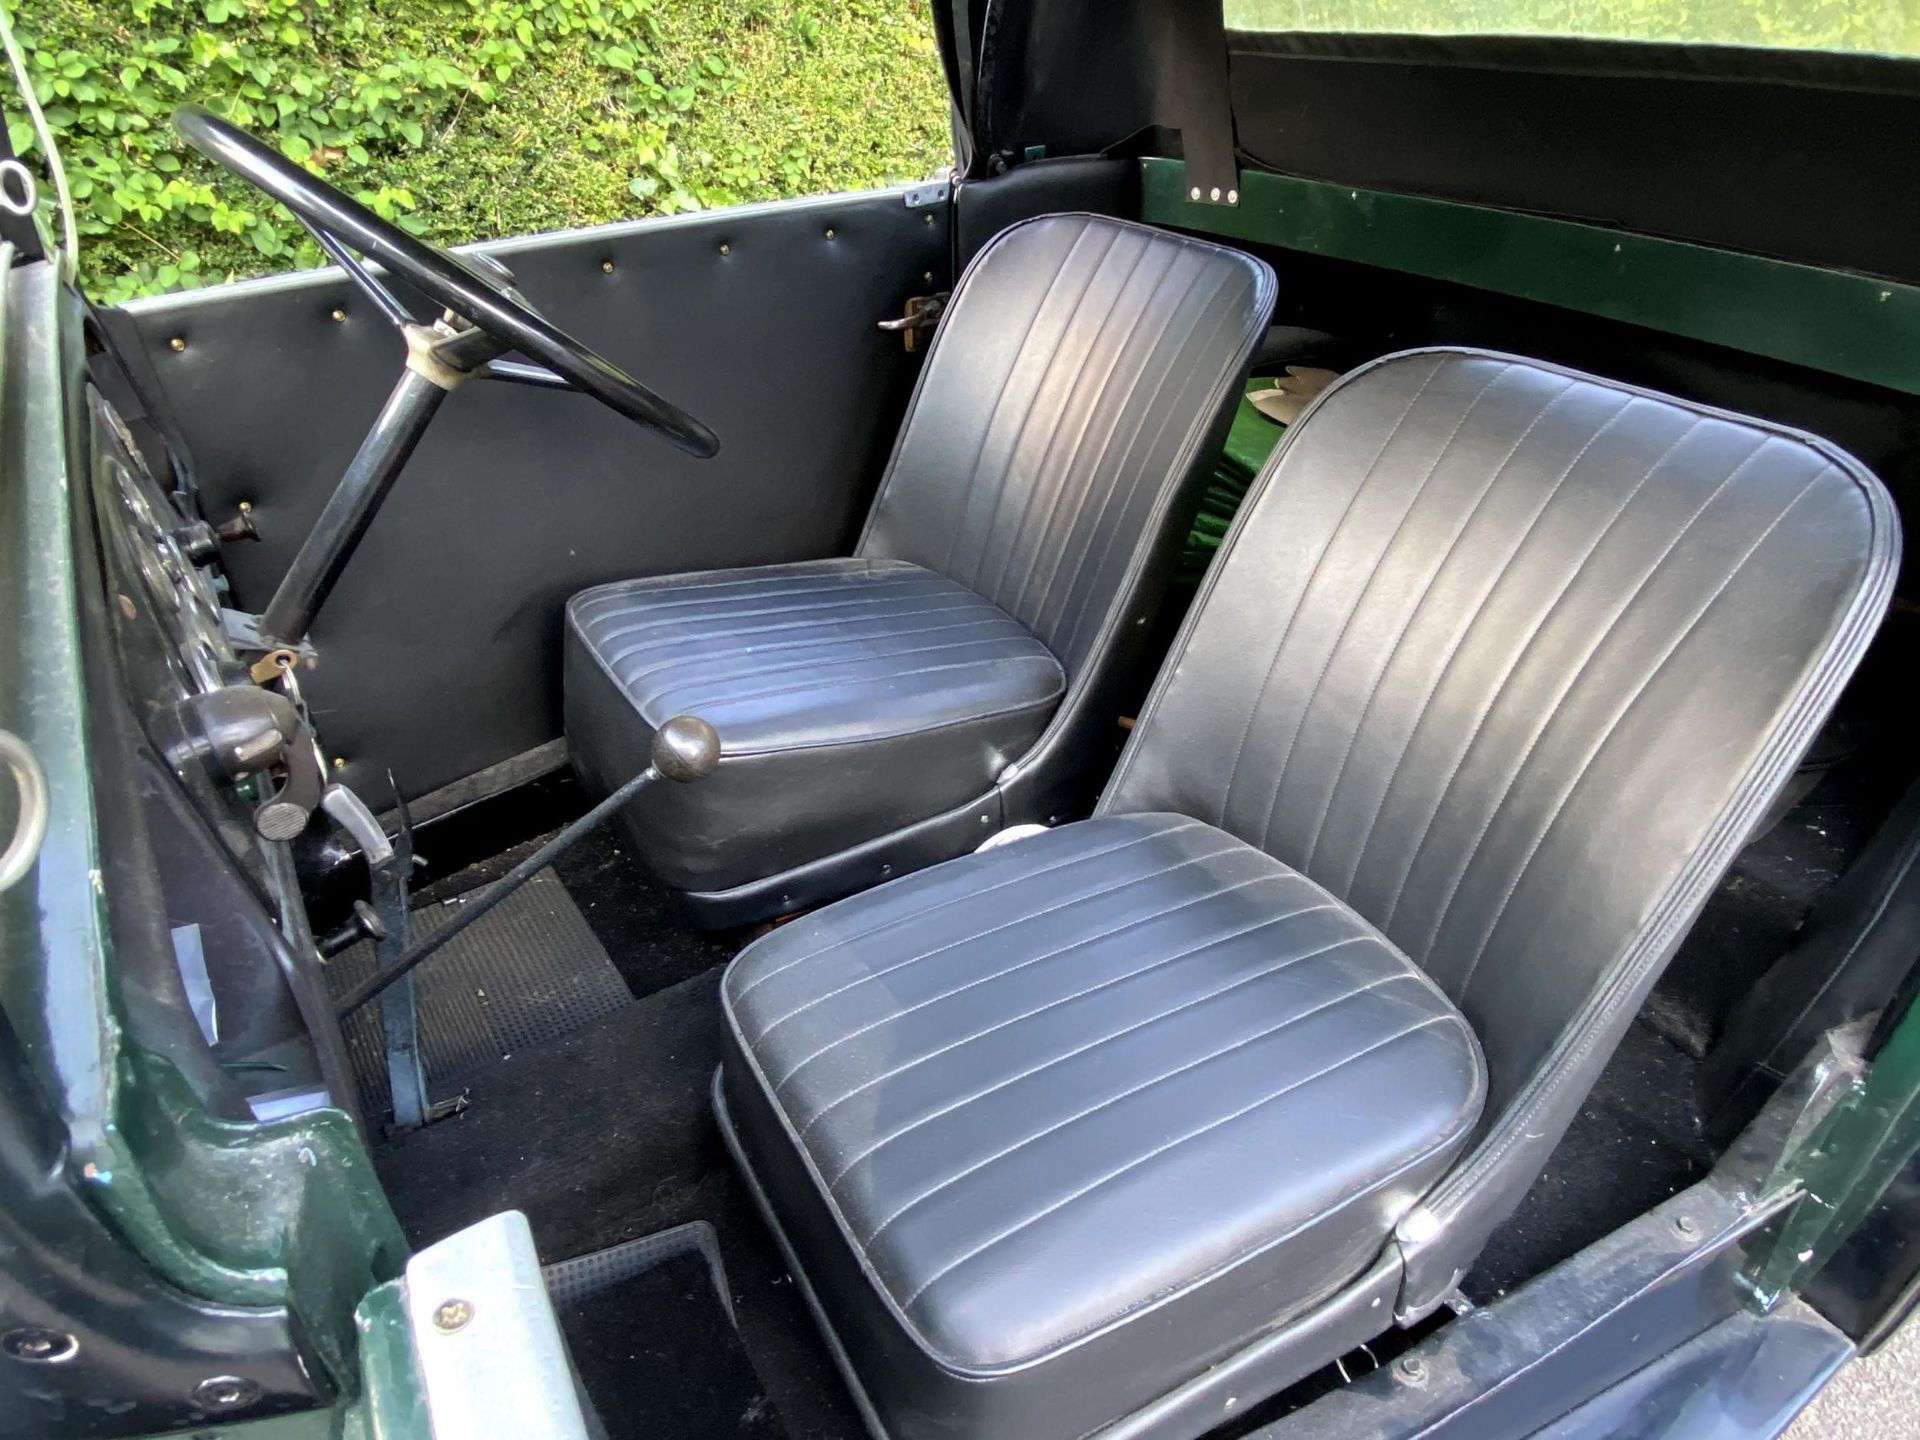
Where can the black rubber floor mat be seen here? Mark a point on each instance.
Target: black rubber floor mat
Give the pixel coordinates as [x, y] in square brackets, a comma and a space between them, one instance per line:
[525, 976]
[649, 1324]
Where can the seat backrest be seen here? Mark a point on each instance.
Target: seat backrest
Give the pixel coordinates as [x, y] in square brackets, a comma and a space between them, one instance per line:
[1075, 393]
[1511, 659]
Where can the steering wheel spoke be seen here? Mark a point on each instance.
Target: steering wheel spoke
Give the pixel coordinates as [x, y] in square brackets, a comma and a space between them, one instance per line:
[383, 299]
[468, 288]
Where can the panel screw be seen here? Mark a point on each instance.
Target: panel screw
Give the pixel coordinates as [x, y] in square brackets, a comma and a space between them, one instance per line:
[245, 507]
[1214, 194]
[1684, 1224]
[928, 277]
[1233, 197]
[339, 762]
[829, 232]
[927, 221]
[1194, 194]
[452, 1315]
[226, 1392]
[607, 266]
[725, 249]
[1412, 1369]
[176, 344]
[42, 1347]
[339, 317]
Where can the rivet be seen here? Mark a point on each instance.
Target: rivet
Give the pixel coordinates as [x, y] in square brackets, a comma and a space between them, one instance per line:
[1412, 1368]
[928, 277]
[452, 1315]
[246, 507]
[607, 266]
[339, 762]
[829, 232]
[927, 220]
[176, 344]
[226, 1392]
[886, 869]
[725, 249]
[339, 317]
[1214, 194]
[1194, 194]
[39, 1346]
[1233, 197]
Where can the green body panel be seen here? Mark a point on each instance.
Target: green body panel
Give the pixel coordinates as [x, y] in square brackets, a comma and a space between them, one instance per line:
[1846, 1164]
[1850, 325]
[287, 1214]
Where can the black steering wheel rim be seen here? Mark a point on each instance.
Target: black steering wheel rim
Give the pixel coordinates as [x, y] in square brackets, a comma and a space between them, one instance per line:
[440, 276]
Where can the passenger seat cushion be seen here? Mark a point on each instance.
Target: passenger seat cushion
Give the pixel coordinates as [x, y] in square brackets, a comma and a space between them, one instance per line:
[1062, 1123]
[851, 696]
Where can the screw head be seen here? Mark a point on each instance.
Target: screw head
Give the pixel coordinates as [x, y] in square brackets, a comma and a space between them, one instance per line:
[829, 232]
[1684, 1224]
[1233, 197]
[176, 344]
[339, 317]
[1412, 1369]
[928, 220]
[226, 1392]
[725, 249]
[39, 1346]
[339, 762]
[1194, 194]
[607, 266]
[452, 1315]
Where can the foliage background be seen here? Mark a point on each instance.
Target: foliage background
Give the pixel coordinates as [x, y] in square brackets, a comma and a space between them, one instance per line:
[466, 119]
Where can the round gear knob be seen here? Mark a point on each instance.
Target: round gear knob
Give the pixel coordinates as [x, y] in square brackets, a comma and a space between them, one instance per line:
[686, 748]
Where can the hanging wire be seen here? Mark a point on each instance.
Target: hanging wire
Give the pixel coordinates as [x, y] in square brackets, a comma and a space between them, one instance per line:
[63, 197]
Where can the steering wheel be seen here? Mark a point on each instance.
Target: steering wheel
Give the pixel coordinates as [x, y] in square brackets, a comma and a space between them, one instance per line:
[476, 289]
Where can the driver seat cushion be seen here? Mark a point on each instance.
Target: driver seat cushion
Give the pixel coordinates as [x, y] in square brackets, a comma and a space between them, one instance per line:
[1063, 1122]
[852, 696]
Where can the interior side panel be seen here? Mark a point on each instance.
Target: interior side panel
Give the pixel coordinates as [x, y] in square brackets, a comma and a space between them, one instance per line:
[440, 648]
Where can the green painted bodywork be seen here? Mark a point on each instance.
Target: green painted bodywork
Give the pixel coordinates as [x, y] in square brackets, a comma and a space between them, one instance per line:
[1846, 1164]
[287, 1214]
[1849, 325]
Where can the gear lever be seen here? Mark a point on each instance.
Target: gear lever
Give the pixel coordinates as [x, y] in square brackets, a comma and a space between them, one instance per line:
[685, 749]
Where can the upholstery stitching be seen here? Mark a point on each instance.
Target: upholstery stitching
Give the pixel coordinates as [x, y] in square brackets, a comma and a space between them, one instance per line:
[1273, 661]
[1473, 620]
[892, 1016]
[1080, 378]
[1163, 1148]
[911, 916]
[1414, 497]
[1546, 721]
[1414, 610]
[1069, 310]
[1184, 1068]
[1082, 1049]
[1621, 711]
[1573, 575]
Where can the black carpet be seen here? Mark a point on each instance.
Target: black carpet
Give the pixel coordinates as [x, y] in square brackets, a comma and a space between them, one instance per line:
[606, 1135]
[654, 1343]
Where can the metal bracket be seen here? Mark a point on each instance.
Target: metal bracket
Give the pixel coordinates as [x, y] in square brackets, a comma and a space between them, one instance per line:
[931, 192]
[243, 632]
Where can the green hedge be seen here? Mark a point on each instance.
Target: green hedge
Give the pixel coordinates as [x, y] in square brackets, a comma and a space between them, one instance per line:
[467, 119]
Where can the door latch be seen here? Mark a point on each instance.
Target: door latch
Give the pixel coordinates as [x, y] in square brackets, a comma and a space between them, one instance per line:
[923, 313]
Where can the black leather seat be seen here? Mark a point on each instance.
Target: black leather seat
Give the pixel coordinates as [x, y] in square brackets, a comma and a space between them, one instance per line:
[884, 712]
[1145, 1117]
